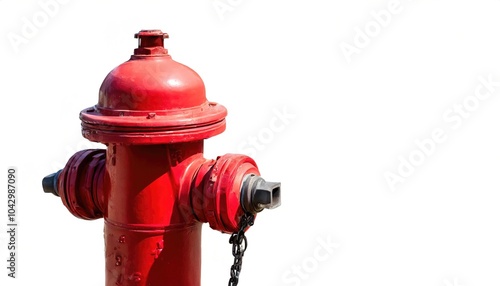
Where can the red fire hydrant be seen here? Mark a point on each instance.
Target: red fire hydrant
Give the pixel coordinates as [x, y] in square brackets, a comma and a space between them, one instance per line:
[152, 185]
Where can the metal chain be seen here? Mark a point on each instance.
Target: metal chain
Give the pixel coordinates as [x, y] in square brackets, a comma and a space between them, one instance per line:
[239, 242]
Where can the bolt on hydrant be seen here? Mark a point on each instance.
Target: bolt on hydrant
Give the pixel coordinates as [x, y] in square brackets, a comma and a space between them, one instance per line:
[152, 185]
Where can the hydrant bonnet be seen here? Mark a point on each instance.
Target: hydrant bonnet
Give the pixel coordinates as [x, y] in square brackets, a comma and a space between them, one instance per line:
[152, 99]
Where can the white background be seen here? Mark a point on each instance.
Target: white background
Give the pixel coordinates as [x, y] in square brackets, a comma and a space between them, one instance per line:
[352, 122]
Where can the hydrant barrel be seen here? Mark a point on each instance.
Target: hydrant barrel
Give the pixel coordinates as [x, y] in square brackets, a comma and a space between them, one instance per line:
[150, 238]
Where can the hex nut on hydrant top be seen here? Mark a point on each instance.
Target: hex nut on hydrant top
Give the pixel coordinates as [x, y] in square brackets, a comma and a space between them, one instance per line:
[152, 185]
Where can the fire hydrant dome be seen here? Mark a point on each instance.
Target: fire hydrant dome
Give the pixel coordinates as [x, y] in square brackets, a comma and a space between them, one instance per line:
[152, 99]
[156, 84]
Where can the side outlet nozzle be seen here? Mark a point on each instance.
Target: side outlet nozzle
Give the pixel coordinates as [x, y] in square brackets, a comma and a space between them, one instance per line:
[257, 194]
[49, 183]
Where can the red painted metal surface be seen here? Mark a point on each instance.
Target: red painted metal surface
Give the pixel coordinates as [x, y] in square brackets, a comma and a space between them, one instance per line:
[152, 184]
[152, 99]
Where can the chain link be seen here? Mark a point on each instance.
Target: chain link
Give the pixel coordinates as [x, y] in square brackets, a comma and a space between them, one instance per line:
[239, 242]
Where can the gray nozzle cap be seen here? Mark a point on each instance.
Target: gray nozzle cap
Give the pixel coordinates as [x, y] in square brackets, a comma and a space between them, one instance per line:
[257, 194]
[49, 183]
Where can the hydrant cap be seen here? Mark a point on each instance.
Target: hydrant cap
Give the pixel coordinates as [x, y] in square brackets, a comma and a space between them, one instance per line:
[151, 94]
